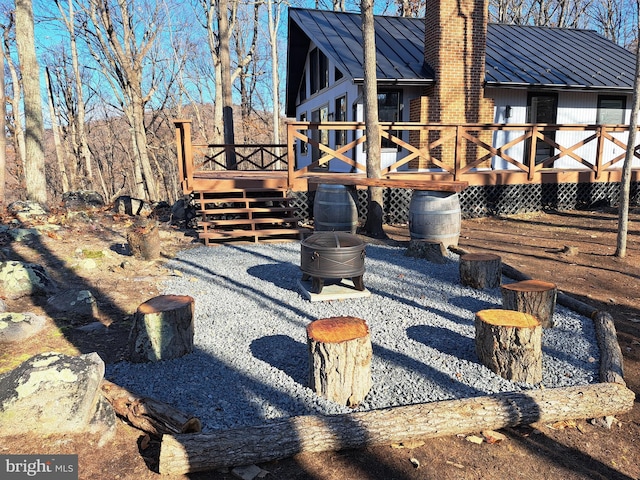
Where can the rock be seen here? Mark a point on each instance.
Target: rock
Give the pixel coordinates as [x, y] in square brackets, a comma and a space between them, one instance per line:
[71, 387]
[82, 200]
[18, 279]
[183, 211]
[3, 306]
[248, 472]
[126, 205]
[80, 303]
[15, 327]
[27, 210]
[23, 234]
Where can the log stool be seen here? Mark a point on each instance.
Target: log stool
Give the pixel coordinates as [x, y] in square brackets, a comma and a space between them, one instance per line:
[509, 343]
[531, 296]
[480, 270]
[340, 359]
[162, 329]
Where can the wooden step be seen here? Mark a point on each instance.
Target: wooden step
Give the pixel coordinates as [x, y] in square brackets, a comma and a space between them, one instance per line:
[246, 199]
[223, 211]
[247, 221]
[220, 235]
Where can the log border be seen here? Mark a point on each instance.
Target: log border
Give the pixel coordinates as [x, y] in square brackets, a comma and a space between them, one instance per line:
[185, 453]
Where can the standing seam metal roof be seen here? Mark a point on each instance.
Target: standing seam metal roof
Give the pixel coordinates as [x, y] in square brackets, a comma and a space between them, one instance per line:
[515, 55]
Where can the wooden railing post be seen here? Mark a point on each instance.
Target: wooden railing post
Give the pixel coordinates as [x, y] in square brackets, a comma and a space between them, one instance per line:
[600, 131]
[291, 155]
[185, 154]
[532, 152]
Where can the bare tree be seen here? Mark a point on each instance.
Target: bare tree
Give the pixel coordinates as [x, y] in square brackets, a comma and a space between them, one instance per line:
[625, 181]
[78, 137]
[34, 166]
[61, 154]
[3, 136]
[273, 11]
[120, 34]
[14, 127]
[373, 225]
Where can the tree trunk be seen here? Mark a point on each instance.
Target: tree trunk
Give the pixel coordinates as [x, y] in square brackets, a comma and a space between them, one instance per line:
[181, 454]
[3, 138]
[55, 130]
[226, 87]
[625, 181]
[34, 163]
[148, 414]
[373, 224]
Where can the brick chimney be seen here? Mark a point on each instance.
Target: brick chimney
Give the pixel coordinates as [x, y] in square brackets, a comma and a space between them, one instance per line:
[455, 46]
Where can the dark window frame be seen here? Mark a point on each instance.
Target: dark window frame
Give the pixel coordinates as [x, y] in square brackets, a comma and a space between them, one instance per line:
[623, 108]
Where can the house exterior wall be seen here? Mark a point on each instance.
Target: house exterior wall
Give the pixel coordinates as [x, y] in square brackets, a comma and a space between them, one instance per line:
[573, 108]
[326, 98]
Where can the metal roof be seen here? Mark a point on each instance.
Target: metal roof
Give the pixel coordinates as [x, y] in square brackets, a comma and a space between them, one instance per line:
[516, 55]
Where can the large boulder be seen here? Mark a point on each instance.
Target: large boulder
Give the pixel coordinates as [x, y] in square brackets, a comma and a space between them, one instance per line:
[53, 393]
[19, 279]
[82, 200]
[126, 205]
[27, 210]
[15, 327]
[76, 303]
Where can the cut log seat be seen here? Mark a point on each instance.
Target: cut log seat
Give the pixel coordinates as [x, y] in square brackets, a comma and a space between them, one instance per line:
[480, 270]
[162, 329]
[340, 359]
[531, 296]
[509, 343]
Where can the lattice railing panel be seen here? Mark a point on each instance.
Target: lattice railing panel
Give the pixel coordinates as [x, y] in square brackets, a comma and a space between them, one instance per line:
[484, 201]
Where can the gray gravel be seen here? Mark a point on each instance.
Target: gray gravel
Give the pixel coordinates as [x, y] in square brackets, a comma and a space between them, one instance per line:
[250, 362]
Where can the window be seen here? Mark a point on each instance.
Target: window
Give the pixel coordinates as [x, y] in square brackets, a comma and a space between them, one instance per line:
[318, 71]
[389, 110]
[542, 108]
[319, 136]
[302, 92]
[341, 116]
[337, 74]
[611, 110]
[304, 146]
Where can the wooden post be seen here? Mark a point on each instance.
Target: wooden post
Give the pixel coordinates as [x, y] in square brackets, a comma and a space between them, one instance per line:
[162, 329]
[509, 343]
[531, 296]
[340, 359]
[480, 270]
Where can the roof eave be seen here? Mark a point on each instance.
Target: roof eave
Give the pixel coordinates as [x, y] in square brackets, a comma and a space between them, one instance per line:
[556, 86]
[404, 82]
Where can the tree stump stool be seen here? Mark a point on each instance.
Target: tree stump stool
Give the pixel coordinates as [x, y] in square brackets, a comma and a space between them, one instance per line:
[509, 343]
[531, 296]
[340, 359]
[480, 270]
[162, 329]
[144, 241]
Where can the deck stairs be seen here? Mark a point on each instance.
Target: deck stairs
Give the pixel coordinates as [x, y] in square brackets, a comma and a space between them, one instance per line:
[246, 213]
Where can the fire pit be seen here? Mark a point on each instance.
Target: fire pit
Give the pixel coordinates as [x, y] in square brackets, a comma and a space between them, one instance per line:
[332, 255]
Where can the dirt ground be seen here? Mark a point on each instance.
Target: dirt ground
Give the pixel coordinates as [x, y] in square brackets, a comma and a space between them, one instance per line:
[536, 244]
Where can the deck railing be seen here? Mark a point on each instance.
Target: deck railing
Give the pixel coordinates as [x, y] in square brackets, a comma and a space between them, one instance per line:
[480, 154]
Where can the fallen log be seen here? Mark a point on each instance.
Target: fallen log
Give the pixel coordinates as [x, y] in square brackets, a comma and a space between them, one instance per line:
[152, 416]
[181, 454]
[611, 363]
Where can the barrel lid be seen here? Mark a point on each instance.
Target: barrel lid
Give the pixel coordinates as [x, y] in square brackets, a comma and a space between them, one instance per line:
[332, 240]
